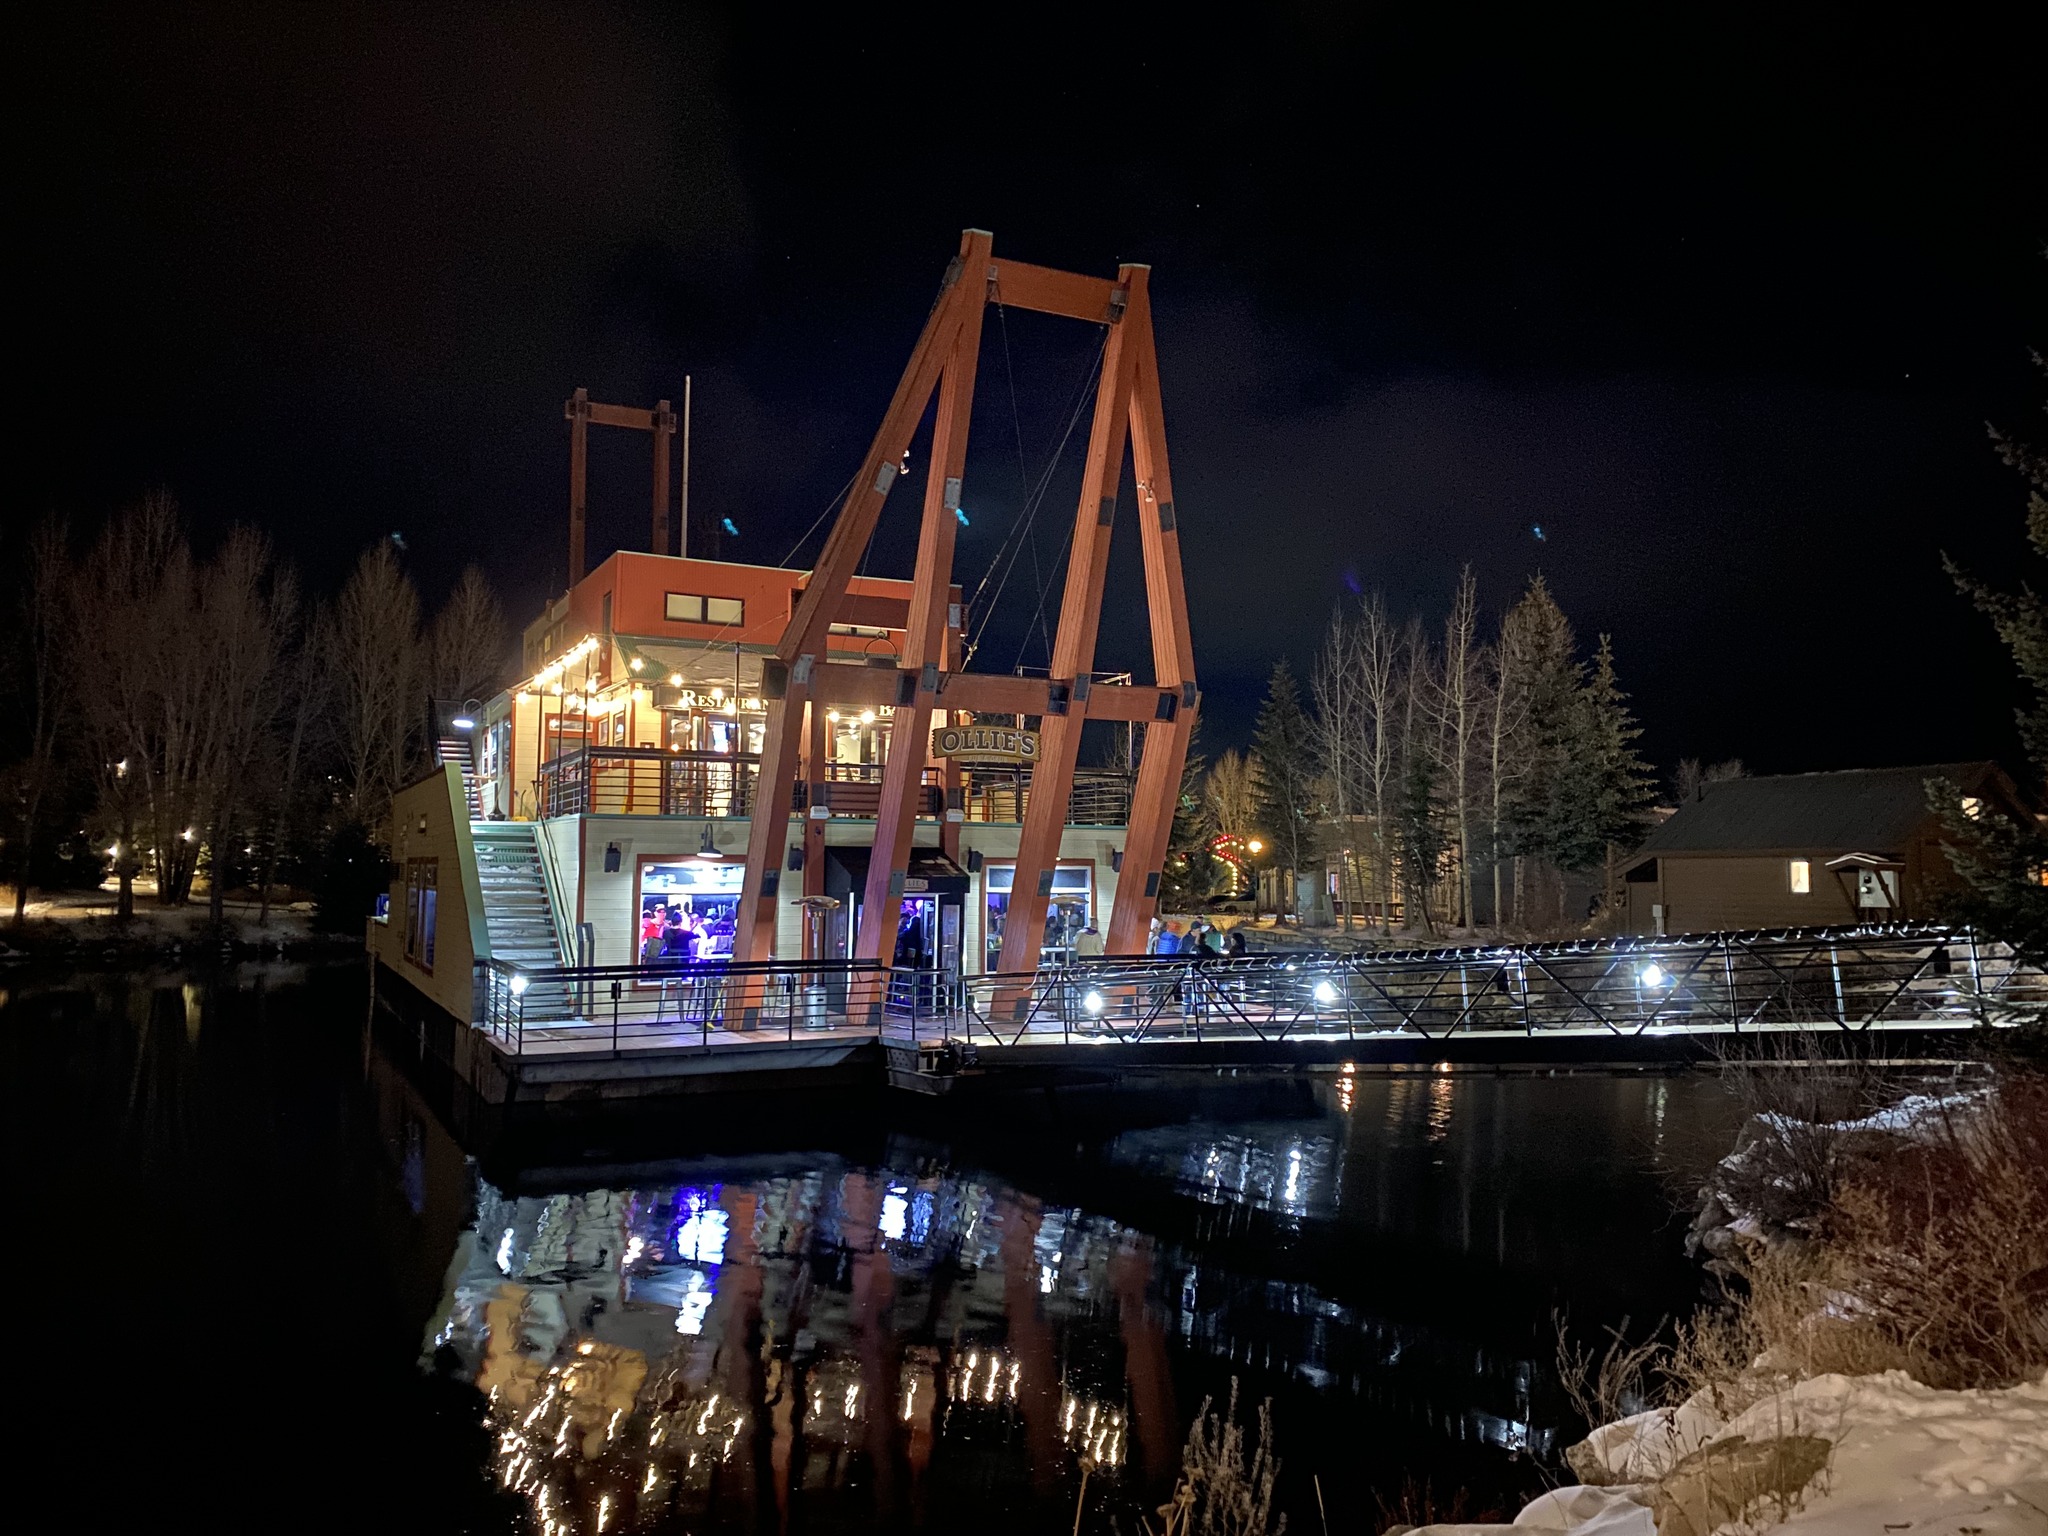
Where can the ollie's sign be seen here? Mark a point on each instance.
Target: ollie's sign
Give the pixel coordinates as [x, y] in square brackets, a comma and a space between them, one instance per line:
[991, 743]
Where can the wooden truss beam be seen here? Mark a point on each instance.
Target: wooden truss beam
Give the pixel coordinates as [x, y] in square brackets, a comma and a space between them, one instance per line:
[582, 413]
[799, 680]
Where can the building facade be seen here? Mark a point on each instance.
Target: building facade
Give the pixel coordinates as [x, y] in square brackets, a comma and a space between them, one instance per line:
[1805, 850]
[626, 760]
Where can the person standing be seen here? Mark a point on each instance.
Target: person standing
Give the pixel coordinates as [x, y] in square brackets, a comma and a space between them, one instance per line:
[1088, 944]
[1234, 944]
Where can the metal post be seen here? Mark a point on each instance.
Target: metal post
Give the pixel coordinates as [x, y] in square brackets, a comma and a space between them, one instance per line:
[1728, 970]
[1835, 965]
[683, 514]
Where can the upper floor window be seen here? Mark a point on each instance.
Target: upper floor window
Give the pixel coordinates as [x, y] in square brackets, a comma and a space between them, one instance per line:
[1973, 807]
[688, 608]
[1801, 872]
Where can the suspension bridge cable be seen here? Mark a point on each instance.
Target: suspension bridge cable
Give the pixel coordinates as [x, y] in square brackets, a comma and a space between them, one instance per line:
[1014, 541]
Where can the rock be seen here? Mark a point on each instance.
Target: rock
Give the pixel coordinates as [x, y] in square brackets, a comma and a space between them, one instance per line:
[1586, 1511]
[1724, 1480]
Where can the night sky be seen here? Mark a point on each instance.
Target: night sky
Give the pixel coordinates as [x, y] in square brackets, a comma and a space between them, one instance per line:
[1719, 300]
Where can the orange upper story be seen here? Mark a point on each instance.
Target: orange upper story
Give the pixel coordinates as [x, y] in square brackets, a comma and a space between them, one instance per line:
[663, 596]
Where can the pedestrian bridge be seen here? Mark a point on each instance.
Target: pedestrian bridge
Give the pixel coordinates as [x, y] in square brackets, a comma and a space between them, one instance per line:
[1638, 999]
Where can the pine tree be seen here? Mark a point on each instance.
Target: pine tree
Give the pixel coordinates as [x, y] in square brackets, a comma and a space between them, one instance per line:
[1603, 786]
[2000, 860]
[1539, 644]
[1283, 751]
[1185, 879]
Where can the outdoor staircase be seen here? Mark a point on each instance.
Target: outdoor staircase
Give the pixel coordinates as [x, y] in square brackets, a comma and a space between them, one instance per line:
[516, 911]
[456, 750]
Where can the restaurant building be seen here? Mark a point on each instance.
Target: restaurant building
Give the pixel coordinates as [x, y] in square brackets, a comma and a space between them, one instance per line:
[629, 751]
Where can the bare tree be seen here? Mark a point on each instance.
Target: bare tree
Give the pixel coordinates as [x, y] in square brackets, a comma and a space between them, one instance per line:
[44, 628]
[372, 641]
[247, 611]
[307, 690]
[1690, 777]
[1232, 792]
[468, 642]
[1358, 738]
[127, 619]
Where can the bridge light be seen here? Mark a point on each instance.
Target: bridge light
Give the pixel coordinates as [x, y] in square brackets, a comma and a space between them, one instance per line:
[1653, 975]
[1093, 1001]
[1326, 993]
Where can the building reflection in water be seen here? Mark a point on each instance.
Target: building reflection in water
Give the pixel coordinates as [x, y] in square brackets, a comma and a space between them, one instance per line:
[904, 1343]
[699, 1353]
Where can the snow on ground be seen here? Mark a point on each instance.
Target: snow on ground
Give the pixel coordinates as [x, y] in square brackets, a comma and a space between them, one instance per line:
[1904, 1460]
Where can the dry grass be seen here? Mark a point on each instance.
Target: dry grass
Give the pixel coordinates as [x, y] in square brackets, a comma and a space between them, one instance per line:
[1944, 1248]
[1418, 1503]
[1928, 1255]
[1221, 1491]
[1620, 1380]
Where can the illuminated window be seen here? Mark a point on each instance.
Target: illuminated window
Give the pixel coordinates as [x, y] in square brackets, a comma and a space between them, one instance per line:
[1066, 913]
[1973, 806]
[1802, 876]
[688, 608]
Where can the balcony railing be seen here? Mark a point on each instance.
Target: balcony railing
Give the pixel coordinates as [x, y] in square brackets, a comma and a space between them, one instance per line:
[1101, 797]
[645, 781]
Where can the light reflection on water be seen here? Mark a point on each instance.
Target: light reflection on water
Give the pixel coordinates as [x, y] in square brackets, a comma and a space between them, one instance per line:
[678, 1354]
[648, 1353]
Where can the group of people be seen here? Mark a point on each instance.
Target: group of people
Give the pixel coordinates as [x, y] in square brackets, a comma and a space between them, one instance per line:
[675, 933]
[1200, 938]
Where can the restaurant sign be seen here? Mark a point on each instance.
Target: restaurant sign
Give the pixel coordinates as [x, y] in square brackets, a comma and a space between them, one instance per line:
[986, 743]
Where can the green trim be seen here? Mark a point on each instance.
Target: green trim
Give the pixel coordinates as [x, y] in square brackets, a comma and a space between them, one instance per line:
[465, 854]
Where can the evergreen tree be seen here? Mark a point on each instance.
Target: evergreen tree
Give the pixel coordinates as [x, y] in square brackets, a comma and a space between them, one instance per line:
[1603, 786]
[2000, 860]
[1185, 880]
[1539, 641]
[1419, 839]
[1283, 753]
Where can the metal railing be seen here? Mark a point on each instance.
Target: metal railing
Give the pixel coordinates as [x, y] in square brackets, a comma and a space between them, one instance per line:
[1100, 797]
[1850, 979]
[574, 1010]
[646, 781]
[1841, 978]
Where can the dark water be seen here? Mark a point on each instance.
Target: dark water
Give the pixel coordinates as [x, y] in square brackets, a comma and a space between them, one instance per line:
[259, 1280]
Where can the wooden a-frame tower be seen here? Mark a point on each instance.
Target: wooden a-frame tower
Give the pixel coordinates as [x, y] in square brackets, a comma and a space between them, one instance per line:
[1127, 405]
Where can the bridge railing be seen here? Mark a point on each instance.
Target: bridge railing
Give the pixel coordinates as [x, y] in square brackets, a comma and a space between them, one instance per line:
[571, 1010]
[1839, 978]
[1843, 978]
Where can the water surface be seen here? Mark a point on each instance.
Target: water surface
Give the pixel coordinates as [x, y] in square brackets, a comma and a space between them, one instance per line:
[294, 1294]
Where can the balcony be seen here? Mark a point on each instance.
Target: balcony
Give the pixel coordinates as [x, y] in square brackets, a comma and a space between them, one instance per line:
[645, 781]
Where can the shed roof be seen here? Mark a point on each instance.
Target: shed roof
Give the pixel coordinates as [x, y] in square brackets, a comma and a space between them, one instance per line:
[1863, 809]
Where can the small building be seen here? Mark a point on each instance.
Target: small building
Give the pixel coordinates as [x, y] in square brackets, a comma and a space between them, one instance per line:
[1804, 850]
